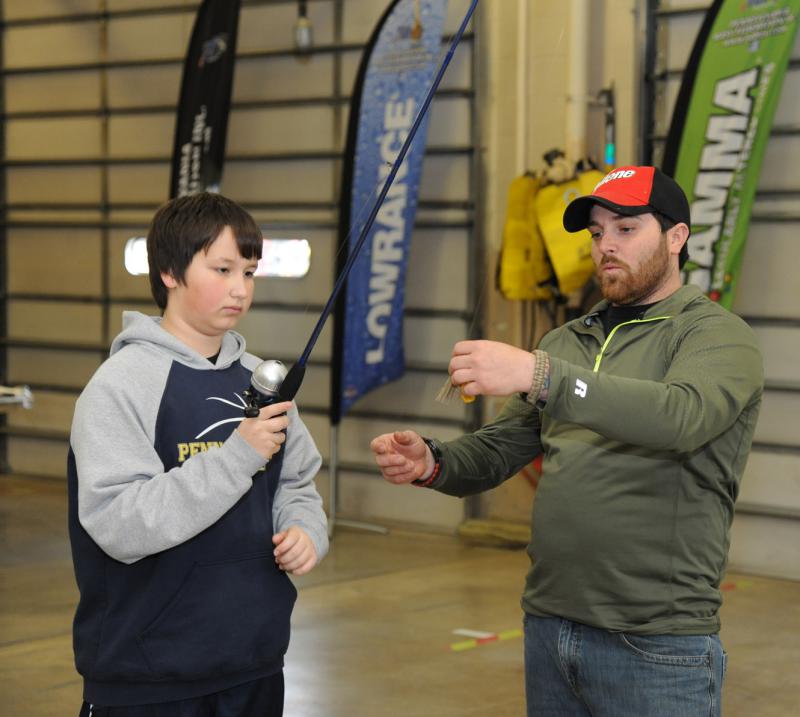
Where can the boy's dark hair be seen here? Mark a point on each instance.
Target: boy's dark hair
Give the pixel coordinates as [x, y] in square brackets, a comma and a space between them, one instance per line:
[666, 223]
[184, 226]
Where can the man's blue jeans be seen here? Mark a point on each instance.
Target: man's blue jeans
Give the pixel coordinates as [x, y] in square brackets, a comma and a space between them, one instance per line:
[572, 670]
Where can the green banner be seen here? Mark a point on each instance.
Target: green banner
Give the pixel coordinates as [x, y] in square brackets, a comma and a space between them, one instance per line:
[720, 127]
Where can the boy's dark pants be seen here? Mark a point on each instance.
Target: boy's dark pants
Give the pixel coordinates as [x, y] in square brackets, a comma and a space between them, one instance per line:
[260, 698]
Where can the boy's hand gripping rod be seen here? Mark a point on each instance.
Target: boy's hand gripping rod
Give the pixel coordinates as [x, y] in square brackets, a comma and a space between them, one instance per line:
[270, 382]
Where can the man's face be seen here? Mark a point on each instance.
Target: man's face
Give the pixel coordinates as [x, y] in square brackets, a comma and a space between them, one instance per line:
[631, 256]
[217, 289]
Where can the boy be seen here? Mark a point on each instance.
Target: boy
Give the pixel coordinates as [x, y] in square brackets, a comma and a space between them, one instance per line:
[185, 516]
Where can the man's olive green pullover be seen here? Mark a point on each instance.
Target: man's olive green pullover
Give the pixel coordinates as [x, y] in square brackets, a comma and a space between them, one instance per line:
[645, 435]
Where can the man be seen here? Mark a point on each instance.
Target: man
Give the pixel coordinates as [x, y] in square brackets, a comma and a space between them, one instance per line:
[644, 410]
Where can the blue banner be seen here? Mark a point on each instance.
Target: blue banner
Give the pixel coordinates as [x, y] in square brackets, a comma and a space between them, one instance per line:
[396, 71]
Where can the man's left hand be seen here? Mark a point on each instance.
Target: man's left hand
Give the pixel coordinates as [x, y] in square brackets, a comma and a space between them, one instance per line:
[490, 368]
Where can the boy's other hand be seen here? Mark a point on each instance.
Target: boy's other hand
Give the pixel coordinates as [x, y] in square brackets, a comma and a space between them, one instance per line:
[294, 552]
[266, 432]
[402, 456]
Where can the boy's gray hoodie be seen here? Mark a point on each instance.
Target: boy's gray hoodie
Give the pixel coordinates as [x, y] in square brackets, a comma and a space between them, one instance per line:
[172, 514]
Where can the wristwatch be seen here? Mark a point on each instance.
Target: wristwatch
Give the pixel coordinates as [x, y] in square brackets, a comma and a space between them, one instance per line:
[437, 464]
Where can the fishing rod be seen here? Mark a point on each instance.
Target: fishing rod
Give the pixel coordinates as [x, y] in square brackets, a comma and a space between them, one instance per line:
[270, 382]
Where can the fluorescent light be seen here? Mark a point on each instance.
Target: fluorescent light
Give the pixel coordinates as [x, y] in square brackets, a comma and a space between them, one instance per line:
[284, 258]
[287, 258]
[136, 256]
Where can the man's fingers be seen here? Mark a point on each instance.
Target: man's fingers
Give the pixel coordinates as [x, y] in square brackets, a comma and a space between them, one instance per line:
[390, 459]
[390, 450]
[464, 347]
[404, 438]
[459, 362]
[379, 445]
[382, 445]
[399, 471]
[395, 464]
[460, 376]
[470, 389]
[465, 380]
[403, 474]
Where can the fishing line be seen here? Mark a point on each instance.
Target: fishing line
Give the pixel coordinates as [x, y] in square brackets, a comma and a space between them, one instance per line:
[448, 390]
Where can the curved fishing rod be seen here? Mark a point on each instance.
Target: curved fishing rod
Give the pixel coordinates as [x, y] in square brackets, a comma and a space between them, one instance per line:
[294, 378]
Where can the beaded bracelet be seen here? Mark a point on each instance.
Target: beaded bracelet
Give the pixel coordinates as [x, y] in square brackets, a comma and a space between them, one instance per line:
[541, 375]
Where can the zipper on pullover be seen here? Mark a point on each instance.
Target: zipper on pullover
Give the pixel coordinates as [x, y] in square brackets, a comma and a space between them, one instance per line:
[599, 357]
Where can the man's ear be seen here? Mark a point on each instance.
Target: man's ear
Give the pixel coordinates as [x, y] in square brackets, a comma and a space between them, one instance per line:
[168, 280]
[678, 236]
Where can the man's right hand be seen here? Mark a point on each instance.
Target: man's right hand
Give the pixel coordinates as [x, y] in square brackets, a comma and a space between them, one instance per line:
[266, 432]
[402, 456]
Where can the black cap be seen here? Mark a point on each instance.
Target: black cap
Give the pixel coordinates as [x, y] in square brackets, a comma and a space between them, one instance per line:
[630, 191]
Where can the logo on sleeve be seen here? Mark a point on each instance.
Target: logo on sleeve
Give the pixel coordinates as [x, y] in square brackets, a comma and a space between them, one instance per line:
[580, 388]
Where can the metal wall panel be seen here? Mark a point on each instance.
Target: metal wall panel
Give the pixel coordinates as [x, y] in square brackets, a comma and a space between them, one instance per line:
[36, 456]
[768, 287]
[51, 367]
[56, 321]
[40, 185]
[45, 45]
[772, 482]
[39, 257]
[89, 116]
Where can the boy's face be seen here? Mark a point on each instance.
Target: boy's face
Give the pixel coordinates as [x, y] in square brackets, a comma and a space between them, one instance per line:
[216, 293]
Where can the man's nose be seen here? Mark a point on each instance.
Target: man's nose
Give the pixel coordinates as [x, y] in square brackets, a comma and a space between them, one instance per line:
[605, 244]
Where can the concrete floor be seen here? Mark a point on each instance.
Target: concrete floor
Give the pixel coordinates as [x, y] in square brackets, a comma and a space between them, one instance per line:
[373, 630]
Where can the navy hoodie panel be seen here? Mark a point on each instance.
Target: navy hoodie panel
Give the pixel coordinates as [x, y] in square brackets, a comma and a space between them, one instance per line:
[88, 561]
[214, 605]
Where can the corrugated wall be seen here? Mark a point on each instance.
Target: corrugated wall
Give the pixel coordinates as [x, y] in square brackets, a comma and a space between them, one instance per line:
[88, 116]
[766, 536]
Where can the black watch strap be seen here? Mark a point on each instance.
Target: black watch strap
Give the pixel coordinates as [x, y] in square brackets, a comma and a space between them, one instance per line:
[437, 464]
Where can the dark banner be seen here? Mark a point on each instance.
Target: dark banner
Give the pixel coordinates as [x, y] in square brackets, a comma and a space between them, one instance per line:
[720, 127]
[396, 70]
[202, 122]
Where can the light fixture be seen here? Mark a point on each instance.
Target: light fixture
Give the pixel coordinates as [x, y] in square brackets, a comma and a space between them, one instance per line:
[303, 36]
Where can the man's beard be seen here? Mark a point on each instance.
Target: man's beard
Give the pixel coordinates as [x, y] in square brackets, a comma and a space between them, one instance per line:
[626, 288]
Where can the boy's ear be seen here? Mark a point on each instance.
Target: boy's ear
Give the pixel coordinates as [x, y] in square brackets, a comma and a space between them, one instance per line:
[169, 280]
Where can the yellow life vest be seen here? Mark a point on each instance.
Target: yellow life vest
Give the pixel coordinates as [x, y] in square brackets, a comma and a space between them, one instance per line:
[570, 253]
[540, 259]
[523, 272]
